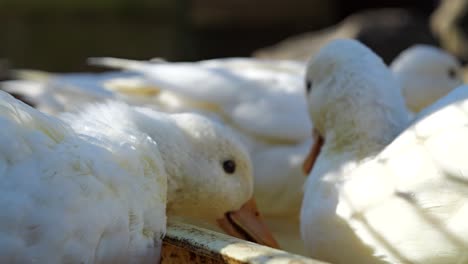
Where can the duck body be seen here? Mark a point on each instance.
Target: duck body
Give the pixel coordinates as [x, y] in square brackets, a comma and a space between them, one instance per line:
[69, 198]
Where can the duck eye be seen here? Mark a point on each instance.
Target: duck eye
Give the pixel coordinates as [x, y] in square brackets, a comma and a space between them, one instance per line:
[452, 73]
[308, 86]
[229, 166]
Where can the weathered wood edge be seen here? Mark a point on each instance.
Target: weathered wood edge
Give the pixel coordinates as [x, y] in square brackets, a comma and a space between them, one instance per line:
[190, 244]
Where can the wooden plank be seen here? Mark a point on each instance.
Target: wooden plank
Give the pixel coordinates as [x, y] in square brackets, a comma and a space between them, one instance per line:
[190, 244]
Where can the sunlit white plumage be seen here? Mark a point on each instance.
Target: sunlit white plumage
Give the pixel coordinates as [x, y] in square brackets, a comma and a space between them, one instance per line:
[55, 183]
[91, 188]
[380, 192]
[426, 73]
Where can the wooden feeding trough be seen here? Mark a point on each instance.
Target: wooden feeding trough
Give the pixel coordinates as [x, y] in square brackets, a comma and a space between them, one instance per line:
[190, 244]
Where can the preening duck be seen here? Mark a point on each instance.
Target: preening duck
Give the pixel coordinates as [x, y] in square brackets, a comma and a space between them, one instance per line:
[381, 190]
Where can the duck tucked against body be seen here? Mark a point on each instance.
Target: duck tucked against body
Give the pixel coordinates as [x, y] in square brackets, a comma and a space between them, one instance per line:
[380, 191]
[91, 187]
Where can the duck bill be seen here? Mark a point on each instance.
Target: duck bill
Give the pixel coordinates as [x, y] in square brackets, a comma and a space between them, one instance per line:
[314, 152]
[247, 223]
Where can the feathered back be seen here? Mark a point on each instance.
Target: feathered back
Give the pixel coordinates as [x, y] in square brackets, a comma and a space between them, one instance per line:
[69, 198]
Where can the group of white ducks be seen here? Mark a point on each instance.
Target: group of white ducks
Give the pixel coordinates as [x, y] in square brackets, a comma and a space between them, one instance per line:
[93, 177]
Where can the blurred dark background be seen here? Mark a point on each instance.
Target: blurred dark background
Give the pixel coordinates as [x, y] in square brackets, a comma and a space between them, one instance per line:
[58, 35]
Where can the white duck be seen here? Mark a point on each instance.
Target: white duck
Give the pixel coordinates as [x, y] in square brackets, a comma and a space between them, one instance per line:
[373, 197]
[110, 166]
[426, 73]
[257, 98]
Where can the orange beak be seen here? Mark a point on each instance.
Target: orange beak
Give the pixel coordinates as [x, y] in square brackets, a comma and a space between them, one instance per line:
[247, 223]
[314, 152]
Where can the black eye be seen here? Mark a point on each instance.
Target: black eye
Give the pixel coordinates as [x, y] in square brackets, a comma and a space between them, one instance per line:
[229, 166]
[308, 86]
[452, 73]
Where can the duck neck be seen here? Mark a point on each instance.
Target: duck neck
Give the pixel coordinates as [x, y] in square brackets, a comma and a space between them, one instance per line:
[363, 132]
[172, 144]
